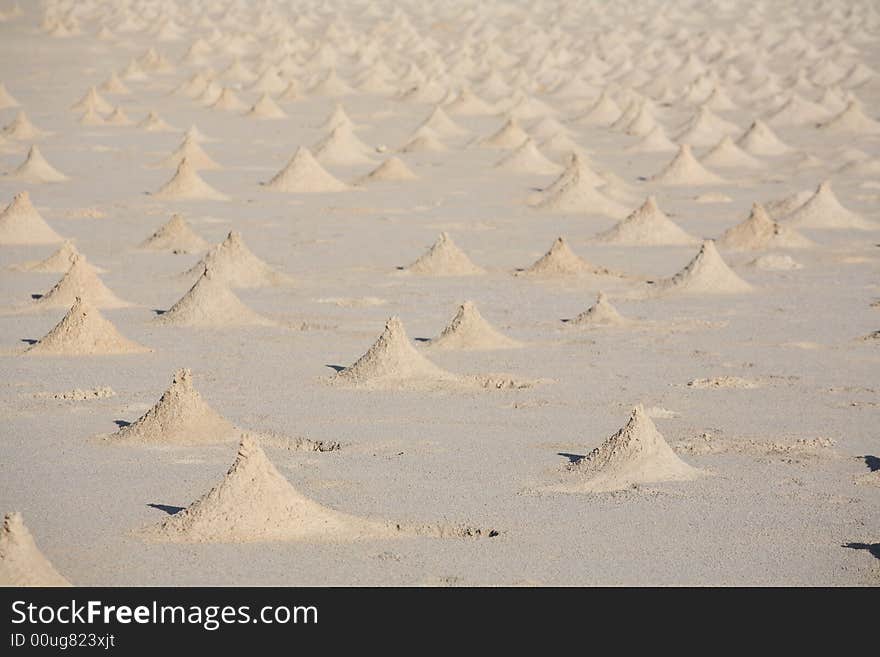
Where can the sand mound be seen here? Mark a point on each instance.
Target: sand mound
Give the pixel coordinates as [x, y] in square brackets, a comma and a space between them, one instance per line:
[232, 262]
[466, 103]
[303, 174]
[254, 503]
[175, 235]
[21, 562]
[186, 184]
[637, 454]
[392, 169]
[575, 194]
[648, 225]
[759, 232]
[180, 417]
[685, 169]
[91, 118]
[655, 141]
[81, 280]
[228, 101]
[266, 108]
[58, 262]
[560, 260]
[823, 210]
[21, 129]
[20, 223]
[444, 258]
[469, 330]
[604, 112]
[343, 148]
[851, 120]
[707, 273]
[510, 135]
[339, 117]
[93, 102]
[726, 154]
[209, 303]
[6, 98]
[440, 123]
[84, 332]
[423, 140]
[785, 206]
[705, 128]
[392, 361]
[602, 313]
[35, 169]
[192, 152]
[775, 262]
[153, 123]
[118, 117]
[527, 159]
[114, 86]
[759, 139]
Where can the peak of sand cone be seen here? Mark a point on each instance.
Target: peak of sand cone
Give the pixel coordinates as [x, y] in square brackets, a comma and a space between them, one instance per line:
[180, 417]
[209, 303]
[469, 330]
[21, 562]
[707, 273]
[197, 135]
[175, 235]
[20, 223]
[823, 210]
[705, 128]
[648, 225]
[655, 141]
[390, 170]
[91, 118]
[35, 169]
[442, 125]
[444, 258]
[92, 101]
[604, 112]
[852, 120]
[84, 332]
[58, 262]
[81, 280]
[727, 154]
[423, 140]
[509, 135]
[573, 193]
[153, 123]
[342, 147]
[228, 101]
[602, 313]
[785, 206]
[392, 359]
[187, 184]
[6, 99]
[636, 454]
[118, 117]
[266, 108]
[466, 103]
[560, 260]
[232, 262]
[113, 85]
[760, 232]
[685, 169]
[255, 503]
[331, 85]
[303, 174]
[528, 159]
[192, 152]
[21, 128]
[759, 139]
[339, 117]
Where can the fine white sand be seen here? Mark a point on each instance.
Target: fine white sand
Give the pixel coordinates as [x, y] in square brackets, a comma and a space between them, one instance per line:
[356, 166]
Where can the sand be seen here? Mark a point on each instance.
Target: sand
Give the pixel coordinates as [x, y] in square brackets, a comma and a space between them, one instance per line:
[449, 448]
[21, 562]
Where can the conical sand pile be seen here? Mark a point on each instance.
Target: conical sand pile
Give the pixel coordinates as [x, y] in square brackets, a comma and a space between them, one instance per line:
[233, 263]
[423, 140]
[303, 174]
[510, 135]
[759, 139]
[186, 184]
[57, 263]
[444, 258]
[648, 225]
[469, 330]
[823, 210]
[392, 169]
[209, 303]
[85, 332]
[118, 117]
[392, 361]
[851, 120]
[175, 235]
[228, 101]
[6, 98]
[527, 159]
[81, 280]
[91, 118]
[266, 108]
[180, 417]
[35, 169]
[707, 273]
[21, 562]
[637, 454]
[255, 503]
[153, 123]
[343, 148]
[575, 194]
[92, 101]
[21, 129]
[759, 232]
[602, 313]
[726, 154]
[560, 260]
[20, 223]
[655, 141]
[193, 153]
[442, 125]
[685, 169]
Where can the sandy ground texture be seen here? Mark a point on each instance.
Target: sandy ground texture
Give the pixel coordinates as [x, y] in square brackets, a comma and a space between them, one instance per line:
[303, 269]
